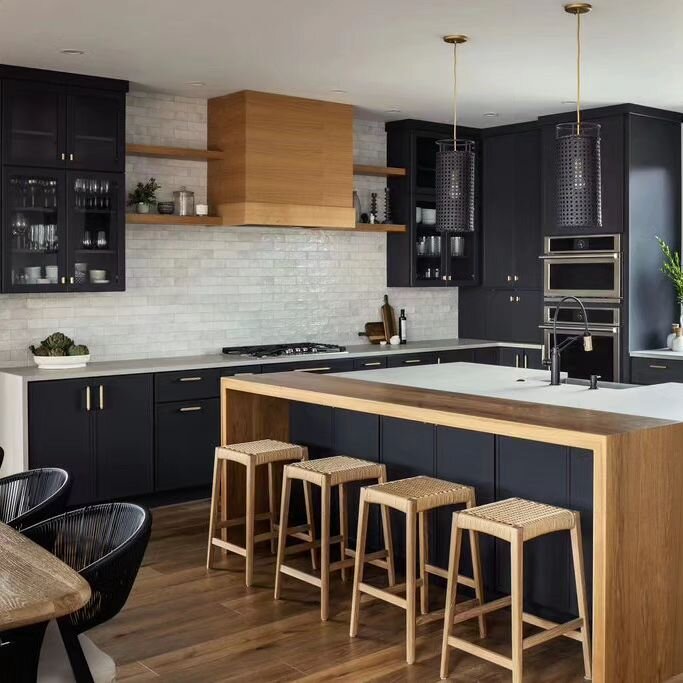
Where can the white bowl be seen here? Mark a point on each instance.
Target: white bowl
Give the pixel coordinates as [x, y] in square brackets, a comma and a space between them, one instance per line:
[96, 275]
[61, 362]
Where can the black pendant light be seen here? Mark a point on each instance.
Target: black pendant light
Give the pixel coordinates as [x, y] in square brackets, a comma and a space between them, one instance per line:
[579, 196]
[455, 170]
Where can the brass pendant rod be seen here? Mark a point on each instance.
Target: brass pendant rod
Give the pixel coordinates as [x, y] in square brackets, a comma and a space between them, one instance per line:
[578, 73]
[455, 93]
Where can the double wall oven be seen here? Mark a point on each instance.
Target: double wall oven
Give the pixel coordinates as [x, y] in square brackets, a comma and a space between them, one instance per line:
[590, 268]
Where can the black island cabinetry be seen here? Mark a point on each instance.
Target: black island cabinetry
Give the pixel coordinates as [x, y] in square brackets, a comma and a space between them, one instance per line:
[63, 186]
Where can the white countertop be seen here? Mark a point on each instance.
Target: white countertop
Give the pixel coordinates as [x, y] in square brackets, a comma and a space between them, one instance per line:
[658, 353]
[219, 360]
[664, 401]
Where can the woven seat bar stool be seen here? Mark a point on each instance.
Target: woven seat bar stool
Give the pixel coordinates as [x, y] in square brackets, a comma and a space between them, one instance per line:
[415, 497]
[516, 520]
[338, 470]
[251, 455]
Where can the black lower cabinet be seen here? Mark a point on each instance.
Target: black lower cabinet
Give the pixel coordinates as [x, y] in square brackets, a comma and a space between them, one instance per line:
[521, 358]
[100, 430]
[187, 433]
[539, 472]
[407, 451]
[357, 435]
[61, 433]
[456, 356]
[467, 458]
[124, 436]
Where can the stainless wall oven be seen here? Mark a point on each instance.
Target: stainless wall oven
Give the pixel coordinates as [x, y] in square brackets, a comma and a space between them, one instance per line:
[604, 322]
[587, 266]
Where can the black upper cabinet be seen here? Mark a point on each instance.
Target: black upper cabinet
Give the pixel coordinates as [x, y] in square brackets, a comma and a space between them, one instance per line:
[421, 257]
[34, 122]
[95, 130]
[511, 189]
[63, 154]
[47, 124]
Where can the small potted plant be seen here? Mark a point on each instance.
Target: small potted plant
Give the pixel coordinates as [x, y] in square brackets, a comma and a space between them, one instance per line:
[144, 196]
[674, 271]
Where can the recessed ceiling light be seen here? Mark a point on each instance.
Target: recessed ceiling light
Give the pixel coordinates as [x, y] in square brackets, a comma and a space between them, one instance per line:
[338, 91]
[71, 51]
[393, 110]
[491, 114]
[568, 101]
[197, 84]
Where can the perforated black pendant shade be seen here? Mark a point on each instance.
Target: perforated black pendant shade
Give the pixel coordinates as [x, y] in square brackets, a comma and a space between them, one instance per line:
[455, 186]
[579, 180]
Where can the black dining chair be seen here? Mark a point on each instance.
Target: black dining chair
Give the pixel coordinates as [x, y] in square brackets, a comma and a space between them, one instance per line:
[105, 544]
[29, 497]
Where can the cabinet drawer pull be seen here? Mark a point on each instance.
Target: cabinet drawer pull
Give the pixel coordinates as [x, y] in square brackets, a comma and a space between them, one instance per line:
[509, 278]
[372, 365]
[190, 379]
[87, 399]
[516, 278]
[101, 397]
[526, 361]
[190, 409]
[512, 299]
[658, 367]
[71, 280]
[516, 360]
[412, 360]
[312, 369]
[63, 280]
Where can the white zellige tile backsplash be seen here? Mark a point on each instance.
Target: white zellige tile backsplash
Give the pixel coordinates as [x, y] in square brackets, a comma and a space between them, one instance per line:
[193, 290]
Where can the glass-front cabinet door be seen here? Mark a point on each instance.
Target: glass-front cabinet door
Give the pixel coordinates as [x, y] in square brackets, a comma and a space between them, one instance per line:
[33, 236]
[96, 130]
[33, 124]
[96, 231]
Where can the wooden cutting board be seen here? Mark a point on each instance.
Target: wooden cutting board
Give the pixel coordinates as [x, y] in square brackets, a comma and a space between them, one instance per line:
[388, 319]
[374, 332]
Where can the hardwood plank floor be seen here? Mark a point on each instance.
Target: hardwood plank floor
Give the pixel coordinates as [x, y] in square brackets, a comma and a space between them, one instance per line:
[184, 625]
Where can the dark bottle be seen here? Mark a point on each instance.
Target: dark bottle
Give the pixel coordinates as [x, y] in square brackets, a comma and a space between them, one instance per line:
[403, 327]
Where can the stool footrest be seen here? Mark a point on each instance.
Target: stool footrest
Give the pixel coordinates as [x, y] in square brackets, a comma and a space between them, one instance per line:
[386, 594]
[487, 607]
[342, 564]
[231, 547]
[241, 521]
[554, 632]
[547, 624]
[302, 576]
[481, 652]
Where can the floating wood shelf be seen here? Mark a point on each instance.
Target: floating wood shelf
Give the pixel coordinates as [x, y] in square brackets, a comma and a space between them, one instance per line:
[171, 219]
[173, 152]
[379, 227]
[359, 169]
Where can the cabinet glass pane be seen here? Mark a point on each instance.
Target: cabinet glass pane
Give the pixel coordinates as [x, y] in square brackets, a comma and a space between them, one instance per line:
[428, 245]
[94, 124]
[94, 225]
[35, 233]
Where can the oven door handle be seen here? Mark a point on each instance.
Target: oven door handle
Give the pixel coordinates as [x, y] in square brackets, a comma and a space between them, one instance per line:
[615, 255]
[564, 328]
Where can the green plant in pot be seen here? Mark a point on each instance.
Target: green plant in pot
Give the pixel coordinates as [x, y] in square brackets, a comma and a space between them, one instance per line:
[144, 195]
[671, 267]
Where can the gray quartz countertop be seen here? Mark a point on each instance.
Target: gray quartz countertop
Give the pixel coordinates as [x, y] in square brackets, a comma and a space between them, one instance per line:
[219, 360]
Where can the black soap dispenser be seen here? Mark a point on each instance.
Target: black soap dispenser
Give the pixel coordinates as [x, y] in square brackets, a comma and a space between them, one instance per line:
[403, 327]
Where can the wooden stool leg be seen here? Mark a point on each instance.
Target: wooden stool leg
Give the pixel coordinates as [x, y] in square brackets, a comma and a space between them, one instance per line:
[343, 527]
[386, 530]
[249, 530]
[213, 513]
[477, 573]
[224, 500]
[282, 536]
[359, 566]
[517, 596]
[310, 520]
[271, 506]
[410, 584]
[423, 521]
[579, 577]
[451, 592]
[326, 495]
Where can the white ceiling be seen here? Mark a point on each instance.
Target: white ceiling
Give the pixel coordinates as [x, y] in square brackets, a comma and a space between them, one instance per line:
[385, 53]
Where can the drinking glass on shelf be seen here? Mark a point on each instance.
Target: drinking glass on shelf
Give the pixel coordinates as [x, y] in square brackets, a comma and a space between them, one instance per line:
[422, 246]
[87, 240]
[101, 239]
[33, 189]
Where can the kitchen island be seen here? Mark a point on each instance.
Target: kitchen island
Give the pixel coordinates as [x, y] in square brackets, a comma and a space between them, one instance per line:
[507, 433]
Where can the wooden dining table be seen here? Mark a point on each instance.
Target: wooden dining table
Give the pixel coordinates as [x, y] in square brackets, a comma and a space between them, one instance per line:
[35, 586]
